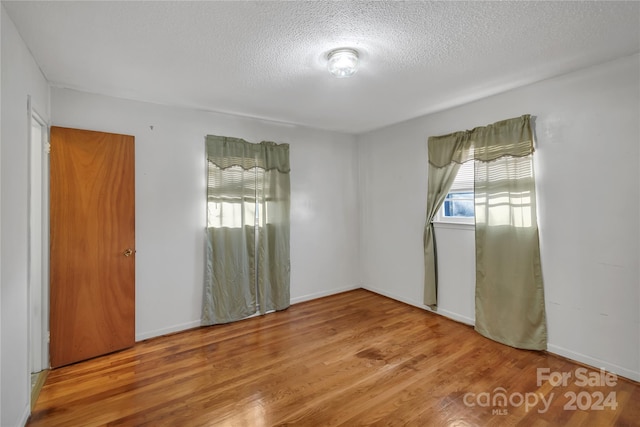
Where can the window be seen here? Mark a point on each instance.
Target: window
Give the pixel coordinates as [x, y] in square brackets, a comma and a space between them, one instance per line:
[458, 206]
[232, 200]
[247, 252]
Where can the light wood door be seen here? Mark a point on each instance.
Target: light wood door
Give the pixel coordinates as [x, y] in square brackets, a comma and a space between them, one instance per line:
[92, 244]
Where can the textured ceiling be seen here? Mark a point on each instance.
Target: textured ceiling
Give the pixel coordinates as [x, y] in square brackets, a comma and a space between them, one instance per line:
[268, 59]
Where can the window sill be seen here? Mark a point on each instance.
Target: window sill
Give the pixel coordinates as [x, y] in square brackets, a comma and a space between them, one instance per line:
[454, 225]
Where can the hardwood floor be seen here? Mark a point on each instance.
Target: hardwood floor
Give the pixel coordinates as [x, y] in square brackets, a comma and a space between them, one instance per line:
[350, 359]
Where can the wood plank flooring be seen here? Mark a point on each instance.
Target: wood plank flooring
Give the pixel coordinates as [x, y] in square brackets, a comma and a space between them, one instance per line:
[350, 359]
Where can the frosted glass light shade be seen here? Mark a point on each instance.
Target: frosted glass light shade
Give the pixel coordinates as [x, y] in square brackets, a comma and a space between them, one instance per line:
[343, 62]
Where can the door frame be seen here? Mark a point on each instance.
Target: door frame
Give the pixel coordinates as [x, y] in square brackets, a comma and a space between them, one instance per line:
[38, 242]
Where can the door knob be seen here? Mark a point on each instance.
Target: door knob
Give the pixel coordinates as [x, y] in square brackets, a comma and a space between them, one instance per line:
[127, 252]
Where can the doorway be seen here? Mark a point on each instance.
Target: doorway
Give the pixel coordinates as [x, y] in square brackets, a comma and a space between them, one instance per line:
[38, 245]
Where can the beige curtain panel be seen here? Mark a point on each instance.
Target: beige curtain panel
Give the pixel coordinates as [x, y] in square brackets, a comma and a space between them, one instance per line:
[509, 290]
[444, 163]
[247, 254]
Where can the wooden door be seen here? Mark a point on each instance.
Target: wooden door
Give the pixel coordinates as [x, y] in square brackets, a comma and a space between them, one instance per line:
[92, 244]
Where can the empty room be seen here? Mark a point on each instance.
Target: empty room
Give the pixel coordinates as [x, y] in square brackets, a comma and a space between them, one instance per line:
[319, 213]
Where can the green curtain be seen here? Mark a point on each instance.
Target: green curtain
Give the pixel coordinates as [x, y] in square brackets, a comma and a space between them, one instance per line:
[509, 291]
[273, 237]
[247, 254]
[445, 155]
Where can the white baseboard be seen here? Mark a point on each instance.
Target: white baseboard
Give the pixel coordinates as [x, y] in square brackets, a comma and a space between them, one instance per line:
[316, 295]
[397, 297]
[25, 416]
[195, 323]
[455, 316]
[593, 362]
[169, 330]
[445, 313]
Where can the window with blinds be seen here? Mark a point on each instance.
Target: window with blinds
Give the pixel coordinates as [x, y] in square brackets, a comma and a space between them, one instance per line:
[458, 206]
[232, 197]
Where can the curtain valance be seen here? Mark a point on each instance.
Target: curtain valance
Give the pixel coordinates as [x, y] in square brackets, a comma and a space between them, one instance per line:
[226, 152]
[511, 137]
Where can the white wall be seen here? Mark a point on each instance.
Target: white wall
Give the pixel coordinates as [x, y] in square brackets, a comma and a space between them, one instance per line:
[587, 167]
[170, 201]
[20, 77]
[1, 19]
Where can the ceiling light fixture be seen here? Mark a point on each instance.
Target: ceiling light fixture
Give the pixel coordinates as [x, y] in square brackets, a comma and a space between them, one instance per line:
[343, 62]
